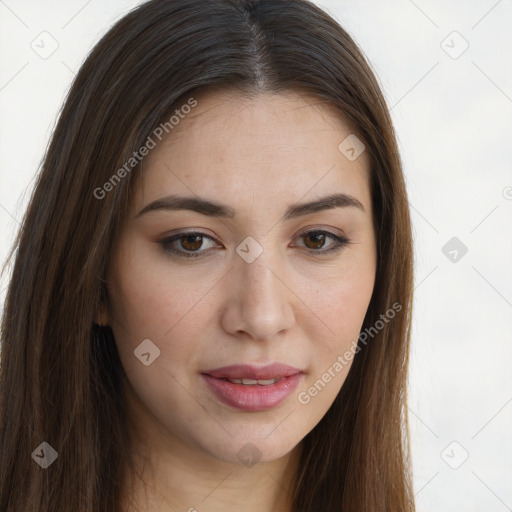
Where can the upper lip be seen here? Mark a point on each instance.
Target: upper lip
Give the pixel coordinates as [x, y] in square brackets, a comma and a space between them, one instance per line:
[247, 371]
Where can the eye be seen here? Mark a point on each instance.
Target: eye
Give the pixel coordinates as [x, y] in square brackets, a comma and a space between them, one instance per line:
[316, 239]
[189, 244]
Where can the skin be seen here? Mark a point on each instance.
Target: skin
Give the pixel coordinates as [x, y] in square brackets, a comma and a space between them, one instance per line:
[290, 305]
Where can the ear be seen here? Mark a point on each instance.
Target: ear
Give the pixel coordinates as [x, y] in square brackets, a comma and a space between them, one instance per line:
[103, 316]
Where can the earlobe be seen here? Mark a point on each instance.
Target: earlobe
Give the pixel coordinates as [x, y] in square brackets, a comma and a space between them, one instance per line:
[102, 318]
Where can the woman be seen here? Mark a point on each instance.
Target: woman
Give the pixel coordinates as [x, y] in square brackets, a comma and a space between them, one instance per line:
[211, 298]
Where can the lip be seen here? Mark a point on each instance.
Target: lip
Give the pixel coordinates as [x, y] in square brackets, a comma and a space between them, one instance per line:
[253, 398]
[248, 371]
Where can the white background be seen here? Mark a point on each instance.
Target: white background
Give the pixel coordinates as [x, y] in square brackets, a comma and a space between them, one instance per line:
[453, 118]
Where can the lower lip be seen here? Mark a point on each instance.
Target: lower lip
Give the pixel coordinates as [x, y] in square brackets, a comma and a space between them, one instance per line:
[253, 398]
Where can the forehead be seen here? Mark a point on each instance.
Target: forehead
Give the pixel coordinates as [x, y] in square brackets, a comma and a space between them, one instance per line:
[278, 147]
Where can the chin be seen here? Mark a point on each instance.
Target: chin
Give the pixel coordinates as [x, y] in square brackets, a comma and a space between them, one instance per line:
[248, 450]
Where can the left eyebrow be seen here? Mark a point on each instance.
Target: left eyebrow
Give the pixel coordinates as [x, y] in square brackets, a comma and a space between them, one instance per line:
[214, 209]
[324, 203]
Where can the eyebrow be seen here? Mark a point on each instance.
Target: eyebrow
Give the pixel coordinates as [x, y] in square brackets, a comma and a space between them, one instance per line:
[215, 209]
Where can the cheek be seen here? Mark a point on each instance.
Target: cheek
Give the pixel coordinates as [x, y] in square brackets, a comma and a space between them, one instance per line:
[146, 303]
[148, 296]
[346, 303]
[342, 310]
[340, 297]
[340, 305]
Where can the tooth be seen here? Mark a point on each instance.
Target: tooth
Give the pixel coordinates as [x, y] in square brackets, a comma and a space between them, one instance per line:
[267, 382]
[253, 382]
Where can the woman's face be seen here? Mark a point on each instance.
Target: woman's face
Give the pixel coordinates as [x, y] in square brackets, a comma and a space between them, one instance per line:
[262, 287]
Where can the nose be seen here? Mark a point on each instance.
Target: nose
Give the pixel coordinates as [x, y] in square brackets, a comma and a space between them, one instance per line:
[259, 304]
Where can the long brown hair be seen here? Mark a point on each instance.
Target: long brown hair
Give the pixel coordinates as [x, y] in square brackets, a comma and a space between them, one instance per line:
[60, 375]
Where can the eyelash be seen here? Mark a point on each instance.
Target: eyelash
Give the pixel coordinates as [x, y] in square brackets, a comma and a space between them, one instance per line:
[166, 243]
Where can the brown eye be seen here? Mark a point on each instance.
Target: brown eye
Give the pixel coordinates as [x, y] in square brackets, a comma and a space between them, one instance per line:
[191, 242]
[317, 239]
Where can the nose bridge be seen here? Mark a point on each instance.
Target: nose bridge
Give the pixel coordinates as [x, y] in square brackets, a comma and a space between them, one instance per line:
[258, 277]
[261, 306]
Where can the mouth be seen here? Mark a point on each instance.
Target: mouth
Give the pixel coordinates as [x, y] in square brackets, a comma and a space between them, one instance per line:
[241, 372]
[254, 382]
[250, 388]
